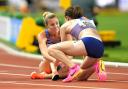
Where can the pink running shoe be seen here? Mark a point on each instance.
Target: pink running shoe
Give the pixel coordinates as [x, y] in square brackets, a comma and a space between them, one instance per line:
[100, 70]
[72, 71]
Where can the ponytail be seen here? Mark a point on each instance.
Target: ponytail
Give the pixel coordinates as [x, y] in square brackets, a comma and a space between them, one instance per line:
[48, 15]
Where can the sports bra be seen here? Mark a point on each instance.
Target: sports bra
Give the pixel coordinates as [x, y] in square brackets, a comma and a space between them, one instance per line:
[50, 41]
[81, 24]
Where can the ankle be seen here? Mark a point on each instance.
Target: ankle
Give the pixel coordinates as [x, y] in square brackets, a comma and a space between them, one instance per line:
[73, 66]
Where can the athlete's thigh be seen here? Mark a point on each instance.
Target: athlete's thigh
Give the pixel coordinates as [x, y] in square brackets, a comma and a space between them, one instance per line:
[73, 48]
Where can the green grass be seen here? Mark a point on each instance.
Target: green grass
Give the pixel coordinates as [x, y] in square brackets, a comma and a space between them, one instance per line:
[118, 54]
[119, 23]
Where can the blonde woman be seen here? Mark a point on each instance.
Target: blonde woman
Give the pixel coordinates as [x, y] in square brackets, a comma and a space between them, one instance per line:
[46, 38]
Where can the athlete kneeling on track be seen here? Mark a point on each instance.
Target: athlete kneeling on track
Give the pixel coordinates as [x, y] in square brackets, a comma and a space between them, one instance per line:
[88, 43]
[46, 38]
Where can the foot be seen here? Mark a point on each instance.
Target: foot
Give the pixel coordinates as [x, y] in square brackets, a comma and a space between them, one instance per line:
[35, 75]
[68, 79]
[72, 72]
[55, 76]
[100, 70]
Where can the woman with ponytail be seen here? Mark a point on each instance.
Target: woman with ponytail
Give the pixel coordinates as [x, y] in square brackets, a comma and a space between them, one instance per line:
[49, 36]
[88, 44]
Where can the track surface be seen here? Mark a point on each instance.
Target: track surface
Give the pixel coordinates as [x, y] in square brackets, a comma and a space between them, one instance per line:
[15, 74]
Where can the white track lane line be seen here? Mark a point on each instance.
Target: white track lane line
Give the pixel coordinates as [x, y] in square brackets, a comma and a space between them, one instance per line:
[14, 74]
[126, 74]
[25, 75]
[51, 85]
[120, 81]
[28, 67]
[18, 66]
[3, 71]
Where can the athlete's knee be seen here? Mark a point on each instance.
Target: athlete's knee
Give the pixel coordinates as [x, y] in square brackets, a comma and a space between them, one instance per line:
[52, 47]
[53, 51]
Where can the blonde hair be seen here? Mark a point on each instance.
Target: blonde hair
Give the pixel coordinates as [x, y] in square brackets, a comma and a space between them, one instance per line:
[48, 15]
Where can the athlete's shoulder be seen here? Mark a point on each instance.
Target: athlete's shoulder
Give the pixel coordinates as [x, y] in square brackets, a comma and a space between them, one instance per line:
[42, 34]
[68, 23]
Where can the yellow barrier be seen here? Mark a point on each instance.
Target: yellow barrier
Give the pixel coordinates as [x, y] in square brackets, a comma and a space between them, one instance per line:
[107, 35]
[3, 8]
[65, 4]
[28, 30]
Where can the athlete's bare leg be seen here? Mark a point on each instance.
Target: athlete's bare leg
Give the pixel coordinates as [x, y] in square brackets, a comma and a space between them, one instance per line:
[44, 66]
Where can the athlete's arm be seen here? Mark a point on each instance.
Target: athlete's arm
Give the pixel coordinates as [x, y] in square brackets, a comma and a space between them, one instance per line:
[43, 46]
[64, 32]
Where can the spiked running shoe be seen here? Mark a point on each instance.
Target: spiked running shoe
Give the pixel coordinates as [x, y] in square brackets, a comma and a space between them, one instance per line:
[71, 73]
[100, 70]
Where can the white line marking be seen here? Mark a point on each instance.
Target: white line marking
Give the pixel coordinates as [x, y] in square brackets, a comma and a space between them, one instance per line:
[18, 66]
[27, 67]
[3, 71]
[25, 75]
[8, 81]
[19, 53]
[14, 74]
[122, 81]
[51, 85]
[118, 73]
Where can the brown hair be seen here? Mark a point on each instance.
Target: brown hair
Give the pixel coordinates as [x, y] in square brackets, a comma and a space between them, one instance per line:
[48, 15]
[74, 12]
